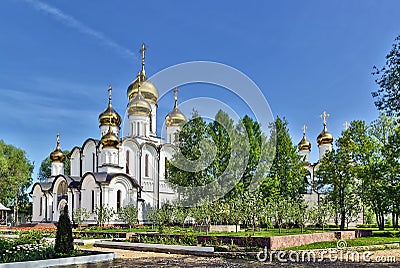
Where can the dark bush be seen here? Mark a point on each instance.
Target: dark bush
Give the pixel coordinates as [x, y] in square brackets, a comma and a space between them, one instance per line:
[64, 240]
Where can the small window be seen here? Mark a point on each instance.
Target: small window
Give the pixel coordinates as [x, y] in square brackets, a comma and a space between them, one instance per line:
[165, 167]
[93, 200]
[138, 129]
[127, 163]
[93, 161]
[146, 165]
[118, 200]
[41, 206]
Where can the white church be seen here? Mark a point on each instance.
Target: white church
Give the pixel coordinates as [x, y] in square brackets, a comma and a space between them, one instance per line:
[114, 170]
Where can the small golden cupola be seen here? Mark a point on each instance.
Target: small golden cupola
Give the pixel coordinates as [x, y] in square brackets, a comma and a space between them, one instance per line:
[304, 144]
[57, 155]
[109, 116]
[149, 91]
[110, 140]
[139, 105]
[175, 117]
[324, 137]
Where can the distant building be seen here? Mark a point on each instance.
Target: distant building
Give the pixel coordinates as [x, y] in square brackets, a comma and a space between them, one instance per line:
[324, 141]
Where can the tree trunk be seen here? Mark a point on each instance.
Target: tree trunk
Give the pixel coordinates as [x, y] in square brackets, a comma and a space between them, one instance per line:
[342, 220]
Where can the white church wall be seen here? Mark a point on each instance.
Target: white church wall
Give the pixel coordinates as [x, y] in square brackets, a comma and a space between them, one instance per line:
[75, 162]
[38, 205]
[132, 147]
[89, 163]
[90, 197]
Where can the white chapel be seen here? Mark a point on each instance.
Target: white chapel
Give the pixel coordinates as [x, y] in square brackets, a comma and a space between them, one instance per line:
[114, 170]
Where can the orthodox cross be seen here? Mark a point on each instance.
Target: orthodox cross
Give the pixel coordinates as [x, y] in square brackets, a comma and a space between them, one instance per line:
[304, 129]
[142, 51]
[110, 93]
[324, 115]
[176, 90]
[58, 139]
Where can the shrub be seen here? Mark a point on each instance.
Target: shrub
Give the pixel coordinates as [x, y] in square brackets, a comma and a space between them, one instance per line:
[64, 240]
[30, 237]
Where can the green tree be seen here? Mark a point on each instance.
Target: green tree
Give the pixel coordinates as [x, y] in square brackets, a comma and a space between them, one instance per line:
[392, 152]
[336, 177]
[64, 240]
[129, 215]
[45, 167]
[286, 175]
[15, 174]
[80, 215]
[371, 163]
[388, 79]
[103, 213]
[320, 215]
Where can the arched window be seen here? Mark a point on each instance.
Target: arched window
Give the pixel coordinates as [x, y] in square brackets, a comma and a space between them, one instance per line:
[62, 192]
[93, 161]
[165, 167]
[146, 165]
[93, 200]
[41, 206]
[127, 163]
[118, 200]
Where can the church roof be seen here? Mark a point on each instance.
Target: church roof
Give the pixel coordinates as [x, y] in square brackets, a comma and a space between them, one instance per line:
[2, 207]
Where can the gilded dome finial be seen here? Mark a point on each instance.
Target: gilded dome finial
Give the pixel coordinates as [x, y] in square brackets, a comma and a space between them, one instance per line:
[324, 115]
[176, 90]
[142, 51]
[109, 116]
[304, 129]
[304, 144]
[58, 139]
[324, 137]
[57, 155]
[109, 95]
[175, 117]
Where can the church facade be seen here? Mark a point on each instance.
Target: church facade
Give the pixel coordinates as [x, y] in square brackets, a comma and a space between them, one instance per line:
[114, 171]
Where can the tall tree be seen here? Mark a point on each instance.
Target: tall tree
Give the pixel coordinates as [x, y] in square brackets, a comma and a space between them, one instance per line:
[368, 143]
[388, 79]
[392, 152]
[15, 174]
[286, 175]
[336, 178]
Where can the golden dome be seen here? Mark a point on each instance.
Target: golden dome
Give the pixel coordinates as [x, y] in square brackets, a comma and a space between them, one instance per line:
[325, 137]
[149, 91]
[139, 105]
[110, 139]
[175, 117]
[57, 155]
[304, 144]
[109, 116]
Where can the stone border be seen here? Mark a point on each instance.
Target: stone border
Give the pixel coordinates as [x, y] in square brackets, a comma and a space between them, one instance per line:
[177, 249]
[101, 257]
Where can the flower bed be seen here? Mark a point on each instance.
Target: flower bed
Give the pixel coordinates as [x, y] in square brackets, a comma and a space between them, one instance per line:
[29, 246]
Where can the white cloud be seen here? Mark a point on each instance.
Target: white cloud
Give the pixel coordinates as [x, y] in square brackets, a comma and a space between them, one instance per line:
[74, 23]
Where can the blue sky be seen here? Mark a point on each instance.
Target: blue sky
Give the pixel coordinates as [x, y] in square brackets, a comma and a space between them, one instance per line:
[57, 59]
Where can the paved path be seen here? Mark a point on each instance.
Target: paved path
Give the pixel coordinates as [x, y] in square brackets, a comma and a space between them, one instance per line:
[129, 258]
